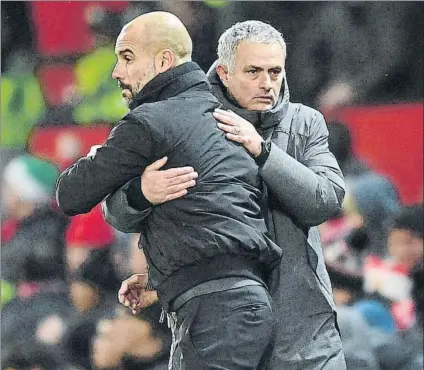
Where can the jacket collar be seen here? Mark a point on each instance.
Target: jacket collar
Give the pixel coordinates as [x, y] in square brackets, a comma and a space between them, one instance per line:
[171, 83]
[262, 120]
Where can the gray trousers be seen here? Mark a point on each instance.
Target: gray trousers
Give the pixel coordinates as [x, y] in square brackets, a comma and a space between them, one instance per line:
[232, 329]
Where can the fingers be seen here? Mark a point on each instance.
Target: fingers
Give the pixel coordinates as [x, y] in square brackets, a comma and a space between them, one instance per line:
[238, 138]
[130, 289]
[224, 116]
[127, 299]
[229, 128]
[233, 133]
[177, 195]
[179, 191]
[227, 112]
[130, 299]
[180, 171]
[180, 179]
[158, 186]
[157, 165]
[146, 299]
[178, 187]
[125, 296]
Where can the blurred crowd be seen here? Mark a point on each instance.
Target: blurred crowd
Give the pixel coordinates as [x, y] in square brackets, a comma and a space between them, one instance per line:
[60, 276]
[374, 255]
[60, 279]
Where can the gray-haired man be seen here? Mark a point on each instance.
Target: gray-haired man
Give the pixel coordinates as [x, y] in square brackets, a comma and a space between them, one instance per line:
[304, 187]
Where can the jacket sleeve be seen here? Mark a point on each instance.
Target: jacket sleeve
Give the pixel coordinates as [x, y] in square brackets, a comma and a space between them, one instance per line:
[312, 189]
[121, 213]
[123, 157]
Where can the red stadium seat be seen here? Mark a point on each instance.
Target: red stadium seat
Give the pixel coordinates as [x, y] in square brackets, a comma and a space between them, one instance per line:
[57, 82]
[390, 139]
[60, 27]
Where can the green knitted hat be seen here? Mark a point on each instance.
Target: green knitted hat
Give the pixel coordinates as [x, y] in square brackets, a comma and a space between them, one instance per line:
[31, 178]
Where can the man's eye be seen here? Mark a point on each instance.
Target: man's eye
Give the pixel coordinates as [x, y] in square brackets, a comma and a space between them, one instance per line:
[252, 71]
[276, 72]
[127, 58]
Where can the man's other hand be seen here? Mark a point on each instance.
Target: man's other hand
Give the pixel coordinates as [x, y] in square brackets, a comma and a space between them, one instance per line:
[133, 293]
[160, 186]
[238, 129]
[93, 150]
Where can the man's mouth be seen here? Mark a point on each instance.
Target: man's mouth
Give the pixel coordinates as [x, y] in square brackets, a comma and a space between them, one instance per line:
[264, 97]
[123, 87]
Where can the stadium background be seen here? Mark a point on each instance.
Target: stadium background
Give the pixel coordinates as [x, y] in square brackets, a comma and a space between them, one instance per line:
[58, 98]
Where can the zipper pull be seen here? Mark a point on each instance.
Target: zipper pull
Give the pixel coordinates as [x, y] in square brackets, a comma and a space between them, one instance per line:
[162, 316]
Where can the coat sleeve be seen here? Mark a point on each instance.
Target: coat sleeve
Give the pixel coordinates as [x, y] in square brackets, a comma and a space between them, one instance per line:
[121, 213]
[311, 189]
[124, 156]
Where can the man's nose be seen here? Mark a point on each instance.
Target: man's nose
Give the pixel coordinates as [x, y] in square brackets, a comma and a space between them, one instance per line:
[265, 82]
[117, 72]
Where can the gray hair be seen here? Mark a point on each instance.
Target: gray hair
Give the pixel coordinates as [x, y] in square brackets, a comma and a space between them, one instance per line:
[252, 31]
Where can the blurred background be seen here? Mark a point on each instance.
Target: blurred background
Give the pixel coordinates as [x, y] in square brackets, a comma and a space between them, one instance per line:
[360, 63]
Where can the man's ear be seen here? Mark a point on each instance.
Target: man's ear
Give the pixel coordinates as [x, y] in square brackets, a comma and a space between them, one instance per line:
[222, 71]
[164, 60]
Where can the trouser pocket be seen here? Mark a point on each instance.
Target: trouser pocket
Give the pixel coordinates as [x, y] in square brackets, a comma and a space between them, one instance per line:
[232, 329]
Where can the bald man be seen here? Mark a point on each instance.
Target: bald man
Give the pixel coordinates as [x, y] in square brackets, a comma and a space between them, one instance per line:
[208, 252]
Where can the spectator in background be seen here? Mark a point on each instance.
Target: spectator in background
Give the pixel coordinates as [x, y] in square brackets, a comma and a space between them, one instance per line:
[99, 333]
[34, 356]
[38, 233]
[41, 287]
[22, 102]
[93, 287]
[32, 256]
[369, 327]
[347, 285]
[389, 279]
[98, 99]
[39, 313]
[404, 349]
[371, 200]
[405, 242]
[146, 348]
[87, 233]
[340, 144]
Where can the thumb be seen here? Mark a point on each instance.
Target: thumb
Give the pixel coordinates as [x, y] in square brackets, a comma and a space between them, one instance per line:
[157, 165]
[148, 298]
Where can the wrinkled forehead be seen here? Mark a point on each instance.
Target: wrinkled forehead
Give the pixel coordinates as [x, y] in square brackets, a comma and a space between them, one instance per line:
[264, 55]
[127, 39]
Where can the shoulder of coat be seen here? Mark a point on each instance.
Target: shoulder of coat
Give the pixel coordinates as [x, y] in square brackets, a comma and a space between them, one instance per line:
[305, 118]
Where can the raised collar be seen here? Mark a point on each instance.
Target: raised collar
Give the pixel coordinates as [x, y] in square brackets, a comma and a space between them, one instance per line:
[172, 83]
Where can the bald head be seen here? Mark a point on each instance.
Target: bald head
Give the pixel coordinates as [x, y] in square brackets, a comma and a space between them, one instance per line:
[162, 30]
[150, 44]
